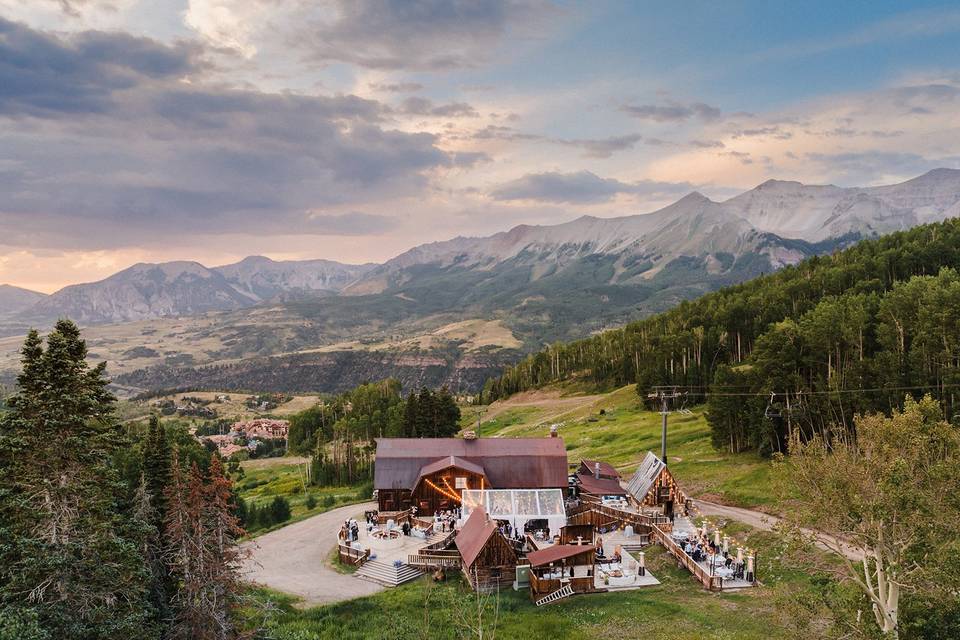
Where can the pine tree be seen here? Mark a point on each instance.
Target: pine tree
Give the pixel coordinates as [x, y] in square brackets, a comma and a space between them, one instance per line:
[70, 551]
[156, 468]
[201, 537]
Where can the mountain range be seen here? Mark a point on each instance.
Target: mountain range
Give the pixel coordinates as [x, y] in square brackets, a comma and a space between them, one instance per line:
[538, 283]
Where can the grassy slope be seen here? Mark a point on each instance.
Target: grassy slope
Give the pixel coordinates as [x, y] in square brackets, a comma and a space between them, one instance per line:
[678, 609]
[627, 431]
[262, 482]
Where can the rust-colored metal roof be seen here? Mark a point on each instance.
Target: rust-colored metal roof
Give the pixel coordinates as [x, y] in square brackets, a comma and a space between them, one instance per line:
[606, 469]
[474, 535]
[509, 463]
[446, 463]
[557, 552]
[600, 486]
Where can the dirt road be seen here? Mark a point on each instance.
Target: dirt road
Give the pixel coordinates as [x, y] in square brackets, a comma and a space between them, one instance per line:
[294, 559]
[767, 522]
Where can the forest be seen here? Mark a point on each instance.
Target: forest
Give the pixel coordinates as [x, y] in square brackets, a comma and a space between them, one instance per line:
[340, 433]
[794, 353]
[107, 530]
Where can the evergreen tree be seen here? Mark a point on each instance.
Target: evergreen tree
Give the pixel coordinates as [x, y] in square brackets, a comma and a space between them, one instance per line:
[411, 417]
[279, 510]
[156, 468]
[69, 549]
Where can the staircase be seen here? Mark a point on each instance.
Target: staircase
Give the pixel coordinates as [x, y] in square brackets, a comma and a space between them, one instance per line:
[561, 593]
[386, 574]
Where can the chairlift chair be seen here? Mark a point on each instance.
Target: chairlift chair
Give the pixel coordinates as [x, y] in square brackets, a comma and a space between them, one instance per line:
[772, 411]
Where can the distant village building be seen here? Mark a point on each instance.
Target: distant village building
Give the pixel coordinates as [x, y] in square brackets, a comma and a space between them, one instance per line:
[261, 428]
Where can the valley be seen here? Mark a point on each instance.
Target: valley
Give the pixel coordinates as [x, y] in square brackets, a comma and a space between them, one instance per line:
[455, 312]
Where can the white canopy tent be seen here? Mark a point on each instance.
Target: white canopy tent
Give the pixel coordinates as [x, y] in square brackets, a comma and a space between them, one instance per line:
[518, 506]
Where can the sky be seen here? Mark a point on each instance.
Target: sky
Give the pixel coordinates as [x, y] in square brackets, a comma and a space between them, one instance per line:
[210, 130]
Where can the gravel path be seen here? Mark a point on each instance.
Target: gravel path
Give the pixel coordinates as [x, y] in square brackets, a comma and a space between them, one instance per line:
[294, 559]
[767, 522]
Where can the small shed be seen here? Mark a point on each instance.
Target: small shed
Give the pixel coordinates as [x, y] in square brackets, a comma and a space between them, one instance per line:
[562, 565]
[598, 468]
[488, 559]
[590, 485]
[653, 485]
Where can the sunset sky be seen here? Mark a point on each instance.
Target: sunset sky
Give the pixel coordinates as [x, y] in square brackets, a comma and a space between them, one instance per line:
[209, 130]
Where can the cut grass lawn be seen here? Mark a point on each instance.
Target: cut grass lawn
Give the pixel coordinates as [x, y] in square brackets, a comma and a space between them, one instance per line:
[624, 433]
[678, 608]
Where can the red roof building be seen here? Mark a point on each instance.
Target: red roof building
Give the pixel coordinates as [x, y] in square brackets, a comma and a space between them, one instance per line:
[431, 473]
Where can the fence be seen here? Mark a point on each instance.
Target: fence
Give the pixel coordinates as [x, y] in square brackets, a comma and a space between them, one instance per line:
[711, 582]
[351, 556]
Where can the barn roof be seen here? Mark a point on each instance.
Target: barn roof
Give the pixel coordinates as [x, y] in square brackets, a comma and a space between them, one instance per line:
[600, 486]
[606, 469]
[646, 474]
[509, 463]
[474, 535]
[557, 552]
[446, 463]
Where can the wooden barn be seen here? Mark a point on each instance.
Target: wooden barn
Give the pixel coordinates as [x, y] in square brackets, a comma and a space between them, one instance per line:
[653, 485]
[488, 559]
[432, 473]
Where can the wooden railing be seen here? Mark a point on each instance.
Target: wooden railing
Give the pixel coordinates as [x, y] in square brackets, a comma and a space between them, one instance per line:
[442, 543]
[351, 556]
[711, 582]
[435, 559]
[398, 517]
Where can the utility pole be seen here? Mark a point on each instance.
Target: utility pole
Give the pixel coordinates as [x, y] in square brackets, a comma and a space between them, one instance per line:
[480, 413]
[665, 395]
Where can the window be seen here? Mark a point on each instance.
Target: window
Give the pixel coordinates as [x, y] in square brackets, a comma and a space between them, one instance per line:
[460, 483]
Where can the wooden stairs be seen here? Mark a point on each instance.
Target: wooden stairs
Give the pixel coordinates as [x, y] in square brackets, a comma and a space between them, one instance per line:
[386, 573]
[561, 593]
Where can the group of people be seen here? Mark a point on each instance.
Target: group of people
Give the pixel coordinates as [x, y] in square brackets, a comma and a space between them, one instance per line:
[350, 530]
[444, 521]
[701, 549]
[601, 555]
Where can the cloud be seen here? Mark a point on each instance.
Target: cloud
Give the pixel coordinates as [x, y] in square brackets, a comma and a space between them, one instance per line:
[354, 223]
[581, 187]
[43, 75]
[398, 87]
[872, 167]
[763, 132]
[672, 112]
[418, 106]
[604, 147]
[111, 147]
[426, 35]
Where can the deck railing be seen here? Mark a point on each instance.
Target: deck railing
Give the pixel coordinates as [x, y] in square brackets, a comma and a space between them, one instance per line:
[351, 556]
[435, 560]
[711, 582]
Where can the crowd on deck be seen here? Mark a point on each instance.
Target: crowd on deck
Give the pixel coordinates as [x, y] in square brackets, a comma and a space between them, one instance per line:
[713, 553]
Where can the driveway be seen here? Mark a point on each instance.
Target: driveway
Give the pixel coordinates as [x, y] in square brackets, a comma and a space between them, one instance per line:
[294, 559]
[767, 522]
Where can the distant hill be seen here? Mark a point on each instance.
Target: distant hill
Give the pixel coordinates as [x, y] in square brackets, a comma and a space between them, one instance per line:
[15, 299]
[176, 289]
[800, 351]
[541, 284]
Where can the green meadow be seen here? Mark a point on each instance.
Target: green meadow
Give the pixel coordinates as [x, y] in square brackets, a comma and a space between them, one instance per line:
[617, 429]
